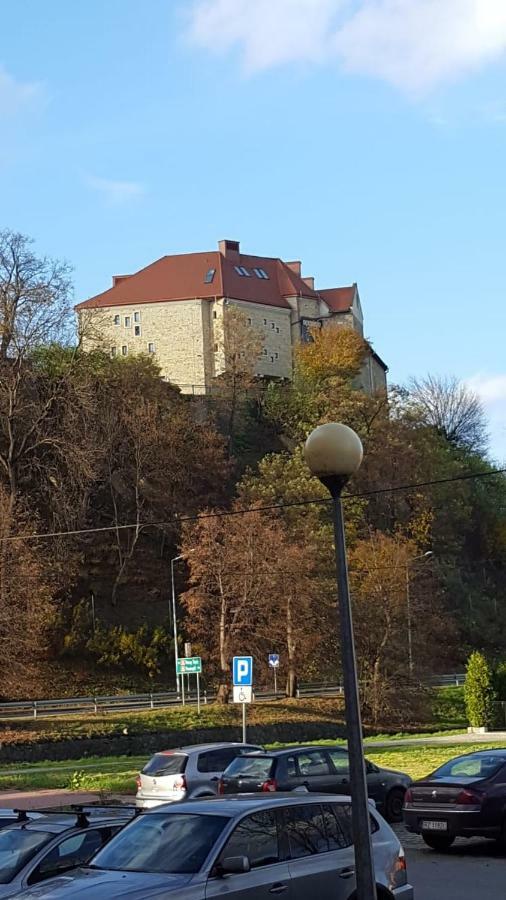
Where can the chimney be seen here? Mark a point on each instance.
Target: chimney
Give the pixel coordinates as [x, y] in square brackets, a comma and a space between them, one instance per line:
[309, 280]
[116, 279]
[295, 266]
[229, 249]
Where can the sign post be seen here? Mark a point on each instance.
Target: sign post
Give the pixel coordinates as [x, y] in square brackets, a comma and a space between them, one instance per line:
[242, 677]
[190, 665]
[274, 665]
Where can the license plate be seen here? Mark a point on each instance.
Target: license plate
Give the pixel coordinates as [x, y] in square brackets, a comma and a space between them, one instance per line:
[434, 826]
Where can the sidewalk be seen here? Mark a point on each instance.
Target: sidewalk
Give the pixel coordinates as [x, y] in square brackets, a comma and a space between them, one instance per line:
[44, 799]
[490, 737]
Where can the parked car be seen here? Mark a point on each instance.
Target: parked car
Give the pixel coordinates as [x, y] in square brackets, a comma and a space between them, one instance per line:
[238, 848]
[186, 773]
[320, 769]
[466, 797]
[33, 850]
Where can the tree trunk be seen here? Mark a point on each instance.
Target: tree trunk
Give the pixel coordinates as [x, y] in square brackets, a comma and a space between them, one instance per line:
[223, 694]
[291, 680]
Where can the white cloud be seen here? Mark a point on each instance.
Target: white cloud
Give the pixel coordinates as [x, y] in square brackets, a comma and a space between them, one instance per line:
[16, 94]
[115, 192]
[413, 44]
[492, 391]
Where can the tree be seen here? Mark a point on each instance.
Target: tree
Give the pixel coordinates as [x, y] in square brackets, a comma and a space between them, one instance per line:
[378, 580]
[332, 351]
[239, 347]
[454, 411]
[250, 590]
[478, 691]
[26, 606]
[35, 296]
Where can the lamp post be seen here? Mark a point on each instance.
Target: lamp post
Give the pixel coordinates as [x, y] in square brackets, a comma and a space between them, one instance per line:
[333, 453]
[408, 608]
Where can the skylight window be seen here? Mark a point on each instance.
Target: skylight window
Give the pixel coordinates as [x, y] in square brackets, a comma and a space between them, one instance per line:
[261, 273]
[209, 276]
[241, 270]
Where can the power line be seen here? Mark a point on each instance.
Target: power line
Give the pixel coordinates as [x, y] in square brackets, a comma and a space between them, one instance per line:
[254, 509]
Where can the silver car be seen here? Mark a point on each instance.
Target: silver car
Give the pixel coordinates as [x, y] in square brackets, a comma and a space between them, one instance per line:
[33, 850]
[186, 773]
[238, 848]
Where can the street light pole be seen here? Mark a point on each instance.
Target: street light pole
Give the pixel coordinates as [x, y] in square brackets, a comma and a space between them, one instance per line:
[333, 453]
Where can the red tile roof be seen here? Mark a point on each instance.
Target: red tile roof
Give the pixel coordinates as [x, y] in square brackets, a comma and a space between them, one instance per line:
[182, 277]
[339, 299]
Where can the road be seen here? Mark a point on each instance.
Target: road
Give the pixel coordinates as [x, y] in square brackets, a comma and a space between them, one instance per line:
[472, 868]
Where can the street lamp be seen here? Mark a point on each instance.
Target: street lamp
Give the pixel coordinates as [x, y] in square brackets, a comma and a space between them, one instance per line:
[408, 607]
[333, 453]
[174, 616]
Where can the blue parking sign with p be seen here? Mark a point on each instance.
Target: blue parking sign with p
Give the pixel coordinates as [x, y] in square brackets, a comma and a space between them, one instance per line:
[242, 671]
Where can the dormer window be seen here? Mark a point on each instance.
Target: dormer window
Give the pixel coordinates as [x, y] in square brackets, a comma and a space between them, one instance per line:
[208, 277]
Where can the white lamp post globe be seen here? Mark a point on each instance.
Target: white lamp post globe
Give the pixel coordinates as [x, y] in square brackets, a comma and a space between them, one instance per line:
[333, 450]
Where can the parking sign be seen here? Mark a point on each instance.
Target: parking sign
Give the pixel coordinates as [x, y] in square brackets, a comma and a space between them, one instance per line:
[242, 671]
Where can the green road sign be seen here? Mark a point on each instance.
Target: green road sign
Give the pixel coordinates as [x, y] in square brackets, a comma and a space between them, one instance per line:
[189, 665]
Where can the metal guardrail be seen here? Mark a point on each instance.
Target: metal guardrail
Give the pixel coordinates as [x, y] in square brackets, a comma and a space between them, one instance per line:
[74, 706]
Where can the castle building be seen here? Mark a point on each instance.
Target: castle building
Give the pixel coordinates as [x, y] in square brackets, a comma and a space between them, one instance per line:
[174, 309]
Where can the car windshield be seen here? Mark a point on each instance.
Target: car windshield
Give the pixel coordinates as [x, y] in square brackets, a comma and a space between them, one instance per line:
[166, 764]
[17, 846]
[474, 765]
[250, 767]
[161, 843]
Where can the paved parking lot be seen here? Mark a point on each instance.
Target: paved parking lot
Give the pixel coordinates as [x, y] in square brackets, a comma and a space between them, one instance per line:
[471, 869]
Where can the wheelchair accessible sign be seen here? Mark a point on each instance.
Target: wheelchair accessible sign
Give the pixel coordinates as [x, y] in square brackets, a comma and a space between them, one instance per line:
[242, 677]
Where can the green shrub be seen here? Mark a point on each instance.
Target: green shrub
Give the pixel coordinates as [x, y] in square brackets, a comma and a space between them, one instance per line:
[500, 680]
[479, 692]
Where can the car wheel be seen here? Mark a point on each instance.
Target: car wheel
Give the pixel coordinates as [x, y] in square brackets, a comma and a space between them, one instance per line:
[438, 841]
[393, 805]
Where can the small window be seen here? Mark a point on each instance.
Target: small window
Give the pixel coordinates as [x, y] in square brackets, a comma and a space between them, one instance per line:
[273, 325]
[337, 827]
[215, 315]
[117, 320]
[128, 321]
[124, 350]
[241, 270]
[216, 348]
[264, 351]
[276, 356]
[277, 329]
[137, 330]
[305, 827]
[313, 762]
[249, 321]
[265, 321]
[137, 316]
[151, 348]
[216, 760]
[262, 273]
[272, 359]
[340, 761]
[209, 276]
[113, 351]
[255, 837]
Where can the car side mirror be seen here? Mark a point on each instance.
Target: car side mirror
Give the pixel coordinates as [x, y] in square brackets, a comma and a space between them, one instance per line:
[234, 865]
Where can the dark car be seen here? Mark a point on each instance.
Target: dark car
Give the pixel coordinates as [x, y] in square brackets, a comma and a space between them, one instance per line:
[466, 797]
[315, 769]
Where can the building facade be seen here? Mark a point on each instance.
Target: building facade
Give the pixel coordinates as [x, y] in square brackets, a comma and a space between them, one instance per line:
[174, 309]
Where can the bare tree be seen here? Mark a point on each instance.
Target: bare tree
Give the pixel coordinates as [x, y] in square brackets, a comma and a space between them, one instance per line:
[35, 296]
[446, 404]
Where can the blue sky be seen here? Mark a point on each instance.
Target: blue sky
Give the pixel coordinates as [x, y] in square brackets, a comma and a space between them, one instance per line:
[365, 137]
